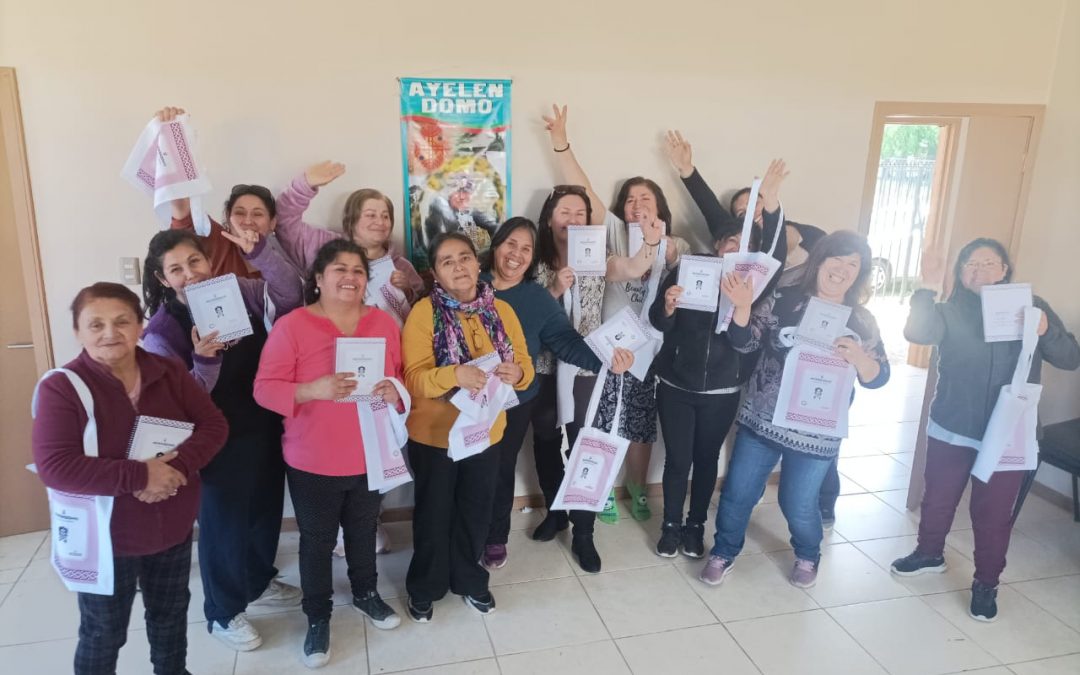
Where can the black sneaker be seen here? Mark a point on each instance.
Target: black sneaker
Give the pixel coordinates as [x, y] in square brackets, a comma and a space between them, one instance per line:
[483, 603]
[983, 602]
[916, 563]
[692, 540]
[583, 548]
[419, 611]
[317, 644]
[378, 612]
[828, 519]
[553, 523]
[670, 534]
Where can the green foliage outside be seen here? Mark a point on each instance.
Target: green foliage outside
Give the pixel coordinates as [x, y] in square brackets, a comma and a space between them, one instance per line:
[910, 140]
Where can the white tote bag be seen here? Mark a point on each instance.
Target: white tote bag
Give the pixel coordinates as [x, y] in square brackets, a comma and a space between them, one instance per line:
[1010, 441]
[759, 266]
[82, 552]
[595, 460]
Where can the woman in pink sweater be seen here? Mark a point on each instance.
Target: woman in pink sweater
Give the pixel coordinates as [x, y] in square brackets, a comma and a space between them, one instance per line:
[323, 446]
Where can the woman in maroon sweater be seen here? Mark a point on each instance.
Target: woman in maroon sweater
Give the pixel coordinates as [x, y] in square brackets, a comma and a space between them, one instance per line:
[155, 501]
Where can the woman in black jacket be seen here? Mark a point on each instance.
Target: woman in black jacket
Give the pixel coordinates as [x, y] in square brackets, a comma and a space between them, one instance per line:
[698, 393]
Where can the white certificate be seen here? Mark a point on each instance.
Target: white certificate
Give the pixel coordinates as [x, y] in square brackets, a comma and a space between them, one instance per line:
[217, 305]
[380, 271]
[822, 323]
[587, 250]
[699, 277]
[153, 437]
[493, 398]
[1003, 311]
[622, 330]
[365, 359]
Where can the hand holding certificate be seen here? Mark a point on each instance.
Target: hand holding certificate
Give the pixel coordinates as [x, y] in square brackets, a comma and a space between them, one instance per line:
[587, 250]
[217, 305]
[1003, 311]
[364, 359]
[699, 277]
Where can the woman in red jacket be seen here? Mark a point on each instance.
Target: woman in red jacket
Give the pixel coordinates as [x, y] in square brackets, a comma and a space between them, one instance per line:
[155, 500]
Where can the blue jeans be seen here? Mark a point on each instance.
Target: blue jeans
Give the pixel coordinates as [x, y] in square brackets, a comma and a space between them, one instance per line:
[830, 490]
[801, 475]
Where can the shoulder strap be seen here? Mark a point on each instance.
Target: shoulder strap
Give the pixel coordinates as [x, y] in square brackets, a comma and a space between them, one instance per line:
[90, 446]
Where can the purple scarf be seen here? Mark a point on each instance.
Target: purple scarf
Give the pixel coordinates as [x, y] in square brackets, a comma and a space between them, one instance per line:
[450, 345]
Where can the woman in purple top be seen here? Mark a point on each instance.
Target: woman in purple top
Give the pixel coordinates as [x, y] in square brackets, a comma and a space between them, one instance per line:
[243, 487]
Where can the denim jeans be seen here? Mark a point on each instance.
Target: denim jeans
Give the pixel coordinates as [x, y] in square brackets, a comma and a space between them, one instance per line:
[830, 489]
[752, 460]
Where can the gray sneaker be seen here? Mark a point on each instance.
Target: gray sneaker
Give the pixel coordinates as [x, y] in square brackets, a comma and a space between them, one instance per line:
[715, 570]
[803, 573]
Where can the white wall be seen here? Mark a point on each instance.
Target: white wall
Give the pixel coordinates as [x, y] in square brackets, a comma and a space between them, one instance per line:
[1051, 239]
[273, 86]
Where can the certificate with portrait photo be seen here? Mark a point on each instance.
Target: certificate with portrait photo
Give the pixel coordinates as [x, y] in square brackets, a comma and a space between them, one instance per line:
[623, 330]
[822, 323]
[699, 277]
[1003, 311]
[587, 250]
[364, 359]
[217, 305]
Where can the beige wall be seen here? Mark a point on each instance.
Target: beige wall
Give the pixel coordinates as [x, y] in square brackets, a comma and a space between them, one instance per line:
[274, 88]
[1051, 240]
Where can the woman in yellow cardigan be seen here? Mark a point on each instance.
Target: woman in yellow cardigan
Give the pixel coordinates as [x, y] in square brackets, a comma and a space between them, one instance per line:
[460, 321]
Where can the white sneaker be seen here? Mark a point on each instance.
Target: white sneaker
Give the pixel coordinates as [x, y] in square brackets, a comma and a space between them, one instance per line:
[239, 634]
[382, 539]
[279, 594]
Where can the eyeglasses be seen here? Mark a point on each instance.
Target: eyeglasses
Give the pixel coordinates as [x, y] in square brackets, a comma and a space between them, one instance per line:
[563, 190]
[987, 265]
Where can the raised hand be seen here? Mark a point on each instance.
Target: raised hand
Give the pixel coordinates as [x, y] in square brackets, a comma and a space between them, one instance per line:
[207, 347]
[679, 153]
[168, 114]
[244, 239]
[470, 378]
[770, 184]
[652, 229]
[622, 360]
[739, 291]
[932, 268]
[671, 299]
[556, 127]
[322, 173]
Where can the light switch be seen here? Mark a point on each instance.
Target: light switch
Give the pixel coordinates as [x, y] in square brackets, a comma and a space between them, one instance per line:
[129, 271]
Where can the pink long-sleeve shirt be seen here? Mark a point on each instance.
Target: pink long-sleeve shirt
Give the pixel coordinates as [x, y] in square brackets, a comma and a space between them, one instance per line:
[321, 437]
[302, 241]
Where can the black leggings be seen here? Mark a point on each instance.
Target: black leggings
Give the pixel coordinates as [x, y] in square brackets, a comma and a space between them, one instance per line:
[694, 427]
[322, 503]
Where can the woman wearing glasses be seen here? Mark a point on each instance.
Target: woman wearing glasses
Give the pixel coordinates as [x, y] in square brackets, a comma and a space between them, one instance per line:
[630, 278]
[968, 366]
[460, 321]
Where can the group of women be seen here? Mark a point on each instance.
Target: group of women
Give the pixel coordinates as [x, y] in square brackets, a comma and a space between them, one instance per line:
[265, 407]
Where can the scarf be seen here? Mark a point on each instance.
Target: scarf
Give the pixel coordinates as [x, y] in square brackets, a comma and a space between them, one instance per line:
[450, 345]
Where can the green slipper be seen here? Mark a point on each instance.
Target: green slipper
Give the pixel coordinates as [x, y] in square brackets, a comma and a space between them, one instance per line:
[639, 502]
[610, 514]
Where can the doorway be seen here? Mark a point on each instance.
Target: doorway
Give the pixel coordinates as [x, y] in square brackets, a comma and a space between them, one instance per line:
[25, 345]
[938, 175]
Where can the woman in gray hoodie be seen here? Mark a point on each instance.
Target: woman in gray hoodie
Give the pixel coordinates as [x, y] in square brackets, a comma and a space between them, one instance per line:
[971, 372]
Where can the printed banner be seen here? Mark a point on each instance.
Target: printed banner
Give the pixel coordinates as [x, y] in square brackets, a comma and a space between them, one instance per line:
[455, 140]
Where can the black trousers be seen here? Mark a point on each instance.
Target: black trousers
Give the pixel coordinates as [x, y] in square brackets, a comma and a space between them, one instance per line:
[547, 441]
[694, 427]
[450, 521]
[240, 522]
[518, 419]
[103, 627]
[322, 504]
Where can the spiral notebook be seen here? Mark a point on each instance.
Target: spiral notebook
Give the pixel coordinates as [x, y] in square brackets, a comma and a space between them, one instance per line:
[153, 437]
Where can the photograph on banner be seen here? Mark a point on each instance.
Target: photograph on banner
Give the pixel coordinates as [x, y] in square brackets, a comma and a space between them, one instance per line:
[455, 137]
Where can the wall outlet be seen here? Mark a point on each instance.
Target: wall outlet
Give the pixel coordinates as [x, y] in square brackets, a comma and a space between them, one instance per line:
[129, 271]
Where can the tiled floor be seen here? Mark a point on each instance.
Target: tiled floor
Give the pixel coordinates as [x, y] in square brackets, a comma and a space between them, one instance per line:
[646, 614]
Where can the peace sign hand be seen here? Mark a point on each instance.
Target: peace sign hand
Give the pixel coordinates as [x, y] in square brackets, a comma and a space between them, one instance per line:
[556, 126]
[245, 240]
